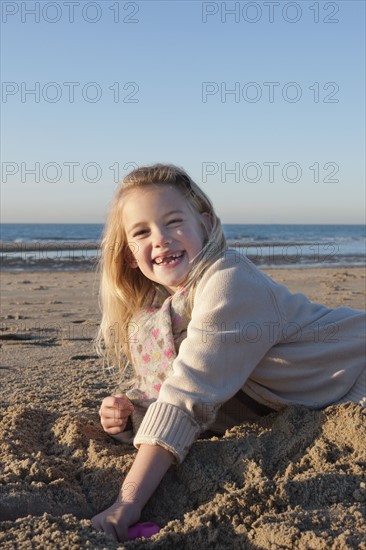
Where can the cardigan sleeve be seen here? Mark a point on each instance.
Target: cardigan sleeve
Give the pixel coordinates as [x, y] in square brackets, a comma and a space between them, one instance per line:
[235, 321]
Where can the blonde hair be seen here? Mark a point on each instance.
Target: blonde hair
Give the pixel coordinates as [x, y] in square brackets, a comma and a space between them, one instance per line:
[123, 289]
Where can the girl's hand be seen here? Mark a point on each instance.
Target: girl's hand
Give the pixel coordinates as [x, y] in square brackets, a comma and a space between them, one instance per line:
[114, 413]
[116, 519]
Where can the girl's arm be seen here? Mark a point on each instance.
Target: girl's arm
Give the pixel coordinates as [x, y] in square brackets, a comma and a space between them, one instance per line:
[148, 469]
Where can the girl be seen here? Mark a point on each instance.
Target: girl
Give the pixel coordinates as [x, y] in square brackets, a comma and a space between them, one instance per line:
[212, 340]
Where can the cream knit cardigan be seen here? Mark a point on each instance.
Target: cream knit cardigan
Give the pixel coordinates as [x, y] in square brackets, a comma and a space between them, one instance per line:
[250, 333]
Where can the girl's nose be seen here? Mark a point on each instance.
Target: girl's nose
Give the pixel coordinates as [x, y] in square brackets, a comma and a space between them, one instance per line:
[161, 237]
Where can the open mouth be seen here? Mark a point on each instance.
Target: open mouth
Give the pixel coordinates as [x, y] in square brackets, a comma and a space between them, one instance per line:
[166, 260]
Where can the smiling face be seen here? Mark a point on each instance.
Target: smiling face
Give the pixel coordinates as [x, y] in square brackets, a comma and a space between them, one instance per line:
[163, 233]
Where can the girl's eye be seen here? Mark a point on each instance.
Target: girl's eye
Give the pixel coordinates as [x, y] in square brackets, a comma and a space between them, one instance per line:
[178, 220]
[140, 233]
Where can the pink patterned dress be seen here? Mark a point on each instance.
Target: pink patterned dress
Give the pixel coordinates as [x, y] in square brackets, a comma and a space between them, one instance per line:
[160, 329]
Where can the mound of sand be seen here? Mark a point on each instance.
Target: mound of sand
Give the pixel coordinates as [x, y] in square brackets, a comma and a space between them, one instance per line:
[295, 479]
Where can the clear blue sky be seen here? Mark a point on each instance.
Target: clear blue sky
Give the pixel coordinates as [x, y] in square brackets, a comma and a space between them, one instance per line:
[172, 62]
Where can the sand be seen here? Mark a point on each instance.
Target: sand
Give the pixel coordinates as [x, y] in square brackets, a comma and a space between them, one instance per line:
[294, 479]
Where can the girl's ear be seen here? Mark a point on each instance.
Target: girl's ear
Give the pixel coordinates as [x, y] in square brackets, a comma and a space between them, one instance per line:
[130, 258]
[132, 262]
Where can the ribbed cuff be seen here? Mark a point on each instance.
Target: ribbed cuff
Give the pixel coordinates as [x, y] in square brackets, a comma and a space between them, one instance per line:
[168, 426]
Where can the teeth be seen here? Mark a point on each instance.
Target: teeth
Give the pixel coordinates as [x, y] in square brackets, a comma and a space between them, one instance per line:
[167, 259]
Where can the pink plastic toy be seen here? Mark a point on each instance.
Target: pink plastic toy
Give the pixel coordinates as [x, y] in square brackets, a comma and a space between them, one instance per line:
[146, 530]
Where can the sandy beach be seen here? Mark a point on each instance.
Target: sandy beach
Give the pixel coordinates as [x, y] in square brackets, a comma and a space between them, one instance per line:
[294, 479]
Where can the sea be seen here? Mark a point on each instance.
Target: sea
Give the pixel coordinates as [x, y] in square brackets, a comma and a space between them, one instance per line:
[75, 247]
